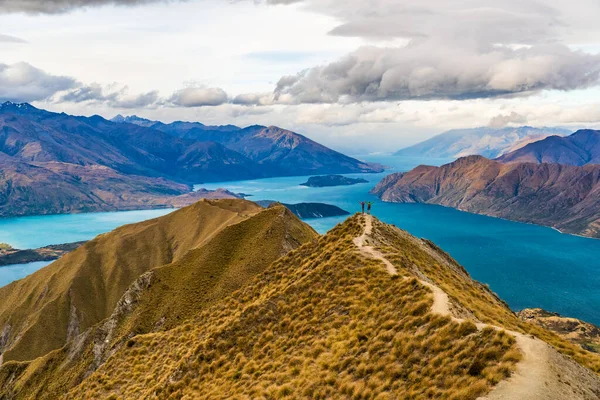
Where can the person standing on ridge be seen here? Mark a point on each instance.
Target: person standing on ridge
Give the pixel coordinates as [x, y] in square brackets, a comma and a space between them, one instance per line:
[362, 203]
[369, 204]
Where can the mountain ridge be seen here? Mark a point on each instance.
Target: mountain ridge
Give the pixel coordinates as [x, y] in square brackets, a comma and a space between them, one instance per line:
[561, 196]
[485, 141]
[580, 148]
[106, 166]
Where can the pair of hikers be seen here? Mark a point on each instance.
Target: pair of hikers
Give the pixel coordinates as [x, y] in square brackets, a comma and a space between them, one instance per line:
[369, 205]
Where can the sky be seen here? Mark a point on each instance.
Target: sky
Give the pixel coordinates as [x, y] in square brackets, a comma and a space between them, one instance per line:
[359, 76]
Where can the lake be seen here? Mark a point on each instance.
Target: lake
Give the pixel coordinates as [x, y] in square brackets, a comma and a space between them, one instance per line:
[527, 265]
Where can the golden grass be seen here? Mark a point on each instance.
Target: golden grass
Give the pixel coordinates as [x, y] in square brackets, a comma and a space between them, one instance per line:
[322, 322]
[92, 279]
[470, 296]
[176, 293]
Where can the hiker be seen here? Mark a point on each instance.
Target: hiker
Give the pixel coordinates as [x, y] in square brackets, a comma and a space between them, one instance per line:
[362, 203]
[369, 204]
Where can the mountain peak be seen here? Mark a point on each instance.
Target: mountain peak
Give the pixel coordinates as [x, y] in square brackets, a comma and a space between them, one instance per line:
[9, 106]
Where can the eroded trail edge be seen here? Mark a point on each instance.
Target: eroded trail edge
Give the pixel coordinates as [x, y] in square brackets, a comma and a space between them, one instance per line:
[542, 374]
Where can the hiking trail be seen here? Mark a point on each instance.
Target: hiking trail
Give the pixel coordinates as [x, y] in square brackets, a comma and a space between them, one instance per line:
[542, 373]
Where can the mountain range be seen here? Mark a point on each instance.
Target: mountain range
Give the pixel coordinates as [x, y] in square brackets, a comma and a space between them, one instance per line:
[580, 148]
[101, 165]
[225, 299]
[486, 141]
[561, 196]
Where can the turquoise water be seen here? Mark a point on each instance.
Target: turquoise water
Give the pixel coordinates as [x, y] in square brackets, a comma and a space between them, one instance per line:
[14, 272]
[39, 231]
[527, 265]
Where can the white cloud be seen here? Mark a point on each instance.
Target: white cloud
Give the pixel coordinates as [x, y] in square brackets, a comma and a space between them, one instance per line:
[199, 97]
[502, 120]
[23, 82]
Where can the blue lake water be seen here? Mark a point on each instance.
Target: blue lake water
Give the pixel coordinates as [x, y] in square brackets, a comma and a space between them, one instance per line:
[527, 265]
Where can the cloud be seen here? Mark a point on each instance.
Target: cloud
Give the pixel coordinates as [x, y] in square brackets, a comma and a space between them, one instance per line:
[454, 50]
[254, 99]
[502, 120]
[62, 6]
[11, 39]
[22, 82]
[426, 71]
[113, 97]
[199, 97]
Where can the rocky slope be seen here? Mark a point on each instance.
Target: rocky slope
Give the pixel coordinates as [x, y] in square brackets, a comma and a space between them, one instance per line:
[580, 148]
[59, 188]
[487, 142]
[572, 329]
[326, 320]
[82, 164]
[561, 196]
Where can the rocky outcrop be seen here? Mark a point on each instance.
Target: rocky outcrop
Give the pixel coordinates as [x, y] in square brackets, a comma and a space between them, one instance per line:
[572, 329]
[561, 196]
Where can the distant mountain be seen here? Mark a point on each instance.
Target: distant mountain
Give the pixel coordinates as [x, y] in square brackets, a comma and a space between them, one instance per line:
[487, 142]
[580, 148]
[279, 152]
[561, 196]
[103, 165]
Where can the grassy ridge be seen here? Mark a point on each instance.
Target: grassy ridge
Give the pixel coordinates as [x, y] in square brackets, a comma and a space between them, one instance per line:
[162, 298]
[471, 299]
[64, 299]
[322, 322]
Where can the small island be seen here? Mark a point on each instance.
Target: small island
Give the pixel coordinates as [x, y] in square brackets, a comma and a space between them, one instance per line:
[11, 256]
[331, 180]
[308, 210]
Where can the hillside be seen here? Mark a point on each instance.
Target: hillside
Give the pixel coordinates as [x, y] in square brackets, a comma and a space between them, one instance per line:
[366, 311]
[237, 241]
[102, 165]
[561, 196]
[580, 148]
[487, 142]
[82, 288]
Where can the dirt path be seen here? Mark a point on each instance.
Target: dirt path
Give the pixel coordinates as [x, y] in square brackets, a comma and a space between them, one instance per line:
[542, 374]
[370, 251]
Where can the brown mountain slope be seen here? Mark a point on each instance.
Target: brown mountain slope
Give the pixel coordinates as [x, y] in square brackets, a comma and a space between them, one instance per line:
[58, 188]
[163, 298]
[580, 148]
[55, 304]
[561, 196]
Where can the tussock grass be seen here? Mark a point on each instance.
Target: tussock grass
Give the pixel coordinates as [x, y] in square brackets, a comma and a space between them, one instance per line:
[321, 322]
[472, 298]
